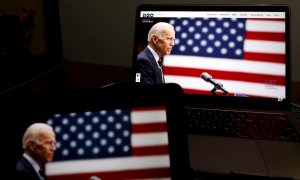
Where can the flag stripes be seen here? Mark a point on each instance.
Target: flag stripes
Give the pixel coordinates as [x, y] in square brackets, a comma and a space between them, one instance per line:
[247, 55]
[224, 75]
[233, 87]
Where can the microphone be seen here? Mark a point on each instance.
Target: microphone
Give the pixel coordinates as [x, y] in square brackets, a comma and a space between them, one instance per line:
[208, 78]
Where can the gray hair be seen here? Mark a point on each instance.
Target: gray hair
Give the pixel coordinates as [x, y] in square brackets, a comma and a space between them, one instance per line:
[33, 132]
[158, 29]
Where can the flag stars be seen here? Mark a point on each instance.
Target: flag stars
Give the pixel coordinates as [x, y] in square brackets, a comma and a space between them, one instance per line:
[96, 150]
[73, 128]
[65, 137]
[197, 36]
[231, 44]
[185, 22]
[203, 43]
[88, 128]
[212, 23]
[223, 50]
[65, 152]
[87, 113]
[50, 121]
[182, 48]
[58, 145]
[118, 126]
[111, 149]
[111, 134]
[57, 115]
[226, 24]
[65, 121]
[198, 23]
[103, 112]
[125, 118]
[110, 119]
[126, 148]
[80, 136]
[118, 141]
[211, 37]
[125, 133]
[183, 35]
[95, 119]
[88, 143]
[238, 52]
[73, 144]
[72, 114]
[96, 135]
[239, 38]
[209, 50]
[103, 142]
[178, 28]
[172, 22]
[118, 111]
[204, 29]
[217, 43]
[196, 49]
[80, 151]
[190, 42]
[232, 31]
[57, 129]
[80, 120]
[103, 127]
[240, 25]
[225, 37]
[191, 29]
[219, 30]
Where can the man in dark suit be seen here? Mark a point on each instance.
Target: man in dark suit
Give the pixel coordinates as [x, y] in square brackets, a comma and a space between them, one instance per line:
[39, 146]
[161, 39]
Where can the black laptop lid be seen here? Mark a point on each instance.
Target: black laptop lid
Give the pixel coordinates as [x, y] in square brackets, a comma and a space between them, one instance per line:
[243, 48]
[123, 132]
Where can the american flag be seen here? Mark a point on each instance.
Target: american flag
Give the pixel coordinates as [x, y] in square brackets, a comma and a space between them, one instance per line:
[110, 144]
[246, 55]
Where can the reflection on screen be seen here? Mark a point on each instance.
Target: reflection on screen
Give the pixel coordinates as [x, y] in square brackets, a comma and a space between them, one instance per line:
[110, 144]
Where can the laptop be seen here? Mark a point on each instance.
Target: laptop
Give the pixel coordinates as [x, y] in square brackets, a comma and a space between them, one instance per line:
[117, 132]
[231, 58]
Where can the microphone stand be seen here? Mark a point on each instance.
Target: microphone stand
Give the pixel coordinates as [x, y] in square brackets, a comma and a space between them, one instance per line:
[225, 93]
[216, 87]
[213, 91]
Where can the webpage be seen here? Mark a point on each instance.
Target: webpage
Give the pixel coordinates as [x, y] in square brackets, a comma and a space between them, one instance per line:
[242, 52]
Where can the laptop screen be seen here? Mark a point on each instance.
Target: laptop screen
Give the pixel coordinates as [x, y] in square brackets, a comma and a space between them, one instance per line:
[238, 51]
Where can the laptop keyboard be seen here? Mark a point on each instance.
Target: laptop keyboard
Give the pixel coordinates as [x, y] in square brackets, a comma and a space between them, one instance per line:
[241, 124]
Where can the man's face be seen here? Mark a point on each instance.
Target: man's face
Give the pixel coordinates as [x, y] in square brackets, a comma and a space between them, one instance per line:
[165, 43]
[45, 147]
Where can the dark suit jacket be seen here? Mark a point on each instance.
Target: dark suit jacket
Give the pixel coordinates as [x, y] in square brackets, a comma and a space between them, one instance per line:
[147, 66]
[25, 171]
